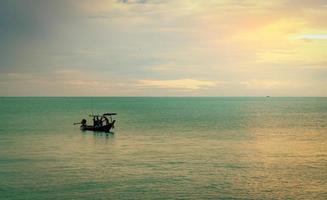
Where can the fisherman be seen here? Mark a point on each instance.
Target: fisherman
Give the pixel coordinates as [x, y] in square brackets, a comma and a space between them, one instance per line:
[83, 122]
[94, 121]
[97, 121]
[101, 122]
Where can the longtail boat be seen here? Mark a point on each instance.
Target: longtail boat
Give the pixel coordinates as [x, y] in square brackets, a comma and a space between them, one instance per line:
[101, 123]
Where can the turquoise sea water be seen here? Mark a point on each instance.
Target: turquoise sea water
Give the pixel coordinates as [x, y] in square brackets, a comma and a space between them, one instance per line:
[164, 148]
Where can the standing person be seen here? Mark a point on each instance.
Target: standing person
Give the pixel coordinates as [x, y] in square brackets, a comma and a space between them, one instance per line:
[101, 122]
[97, 121]
[94, 121]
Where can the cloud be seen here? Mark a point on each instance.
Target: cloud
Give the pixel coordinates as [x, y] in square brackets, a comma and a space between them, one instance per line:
[139, 1]
[63, 82]
[267, 84]
[188, 84]
[310, 37]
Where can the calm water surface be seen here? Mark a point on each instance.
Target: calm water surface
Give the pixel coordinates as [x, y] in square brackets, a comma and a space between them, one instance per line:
[164, 148]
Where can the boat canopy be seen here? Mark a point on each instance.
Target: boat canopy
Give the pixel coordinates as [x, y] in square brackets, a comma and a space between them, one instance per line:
[109, 114]
[105, 114]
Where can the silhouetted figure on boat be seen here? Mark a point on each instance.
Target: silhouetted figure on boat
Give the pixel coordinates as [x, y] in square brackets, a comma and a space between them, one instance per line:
[94, 121]
[101, 121]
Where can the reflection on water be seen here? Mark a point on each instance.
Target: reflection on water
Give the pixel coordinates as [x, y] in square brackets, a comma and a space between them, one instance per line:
[165, 148]
[101, 134]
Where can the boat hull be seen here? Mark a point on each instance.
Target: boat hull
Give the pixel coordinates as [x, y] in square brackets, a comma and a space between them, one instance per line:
[105, 128]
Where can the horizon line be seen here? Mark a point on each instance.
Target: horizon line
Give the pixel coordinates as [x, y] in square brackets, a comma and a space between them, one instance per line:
[59, 96]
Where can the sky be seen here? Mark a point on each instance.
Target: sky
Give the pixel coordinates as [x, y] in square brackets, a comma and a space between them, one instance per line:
[163, 48]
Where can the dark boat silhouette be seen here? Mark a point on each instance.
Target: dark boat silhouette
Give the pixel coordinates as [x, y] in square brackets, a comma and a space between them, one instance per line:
[101, 123]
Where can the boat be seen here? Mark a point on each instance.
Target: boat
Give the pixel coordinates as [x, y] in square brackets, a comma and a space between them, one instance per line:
[101, 123]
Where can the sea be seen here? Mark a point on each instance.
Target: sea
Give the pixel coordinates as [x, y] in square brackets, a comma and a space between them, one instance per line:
[164, 148]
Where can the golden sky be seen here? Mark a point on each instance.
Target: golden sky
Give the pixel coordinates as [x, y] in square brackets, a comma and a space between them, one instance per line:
[163, 48]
